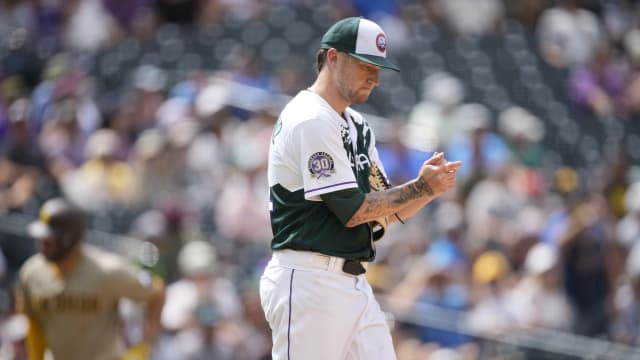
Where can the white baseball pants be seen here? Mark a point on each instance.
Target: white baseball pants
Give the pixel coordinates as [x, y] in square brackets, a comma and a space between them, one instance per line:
[316, 311]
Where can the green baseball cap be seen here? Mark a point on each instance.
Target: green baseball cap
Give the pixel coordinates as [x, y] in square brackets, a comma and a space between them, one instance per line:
[361, 38]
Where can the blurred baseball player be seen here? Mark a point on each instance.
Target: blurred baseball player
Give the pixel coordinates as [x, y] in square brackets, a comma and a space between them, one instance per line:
[70, 292]
[329, 201]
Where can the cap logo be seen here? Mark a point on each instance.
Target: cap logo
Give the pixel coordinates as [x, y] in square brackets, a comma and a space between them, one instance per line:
[381, 42]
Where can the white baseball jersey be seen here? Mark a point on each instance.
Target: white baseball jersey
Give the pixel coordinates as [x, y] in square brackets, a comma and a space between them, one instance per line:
[314, 151]
[317, 311]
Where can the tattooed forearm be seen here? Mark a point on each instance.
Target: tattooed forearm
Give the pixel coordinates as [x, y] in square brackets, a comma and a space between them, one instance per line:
[384, 203]
[419, 187]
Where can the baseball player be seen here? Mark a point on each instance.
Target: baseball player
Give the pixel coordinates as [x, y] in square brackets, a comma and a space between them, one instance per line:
[70, 292]
[329, 201]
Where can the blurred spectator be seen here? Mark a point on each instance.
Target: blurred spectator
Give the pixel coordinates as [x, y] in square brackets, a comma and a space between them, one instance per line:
[524, 132]
[538, 299]
[470, 17]
[16, 14]
[197, 307]
[20, 68]
[402, 161]
[153, 166]
[152, 227]
[102, 182]
[20, 146]
[628, 228]
[375, 10]
[436, 118]
[598, 85]
[490, 314]
[568, 34]
[89, 25]
[242, 9]
[625, 327]
[632, 92]
[62, 139]
[482, 151]
[588, 259]
[614, 181]
[25, 181]
[289, 77]
[121, 121]
[13, 332]
[127, 13]
[149, 83]
[246, 186]
[490, 206]
[618, 18]
[526, 12]
[44, 95]
[443, 287]
[252, 87]
[386, 13]
[182, 12]
[49, 17]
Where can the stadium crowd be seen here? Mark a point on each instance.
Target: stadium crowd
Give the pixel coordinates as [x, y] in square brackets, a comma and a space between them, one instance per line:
[103, 102]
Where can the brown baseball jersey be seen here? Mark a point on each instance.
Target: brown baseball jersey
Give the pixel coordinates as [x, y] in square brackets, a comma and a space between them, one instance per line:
[78, 311]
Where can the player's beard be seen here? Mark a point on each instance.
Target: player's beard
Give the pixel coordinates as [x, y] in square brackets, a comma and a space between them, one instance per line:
[351, 94]
[53, 250]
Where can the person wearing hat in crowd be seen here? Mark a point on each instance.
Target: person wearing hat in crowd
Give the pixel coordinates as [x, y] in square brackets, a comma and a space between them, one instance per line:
[538, 299]
[24, 175]
[330, 200]
[196, 306]
[70, 291]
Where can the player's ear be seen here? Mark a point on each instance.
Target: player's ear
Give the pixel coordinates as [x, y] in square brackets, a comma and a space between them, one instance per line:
[332, 56]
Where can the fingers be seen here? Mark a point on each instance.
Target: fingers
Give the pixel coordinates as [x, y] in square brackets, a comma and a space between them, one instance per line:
[435, 159]
[438, 159]
[452, 166]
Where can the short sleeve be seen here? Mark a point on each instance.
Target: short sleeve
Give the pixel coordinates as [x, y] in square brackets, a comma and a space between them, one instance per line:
[324, 163]
[132, 283]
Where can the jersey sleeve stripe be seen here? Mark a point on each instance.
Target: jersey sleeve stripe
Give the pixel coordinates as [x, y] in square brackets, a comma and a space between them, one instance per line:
[330, 186]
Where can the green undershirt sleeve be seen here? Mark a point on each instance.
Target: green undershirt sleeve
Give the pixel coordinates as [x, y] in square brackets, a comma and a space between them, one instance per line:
[344, 203]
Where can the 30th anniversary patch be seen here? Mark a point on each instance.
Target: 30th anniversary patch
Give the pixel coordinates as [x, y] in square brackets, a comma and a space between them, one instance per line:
[320, 165]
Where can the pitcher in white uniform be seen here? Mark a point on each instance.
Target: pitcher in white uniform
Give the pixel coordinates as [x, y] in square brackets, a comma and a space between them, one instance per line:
[330, 200]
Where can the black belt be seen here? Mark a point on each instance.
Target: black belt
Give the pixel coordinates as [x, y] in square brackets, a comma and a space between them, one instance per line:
[353, 267]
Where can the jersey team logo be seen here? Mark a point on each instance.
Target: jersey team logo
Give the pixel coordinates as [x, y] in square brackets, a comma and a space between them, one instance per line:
[381, 42]
[320, 165]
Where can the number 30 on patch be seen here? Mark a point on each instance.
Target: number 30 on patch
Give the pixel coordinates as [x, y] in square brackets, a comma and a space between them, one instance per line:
[320, 165]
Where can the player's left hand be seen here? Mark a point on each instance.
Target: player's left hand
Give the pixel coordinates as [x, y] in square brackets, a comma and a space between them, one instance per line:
[439, 173]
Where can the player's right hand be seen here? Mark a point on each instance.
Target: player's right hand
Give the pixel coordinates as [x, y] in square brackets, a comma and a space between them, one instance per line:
[439, 173]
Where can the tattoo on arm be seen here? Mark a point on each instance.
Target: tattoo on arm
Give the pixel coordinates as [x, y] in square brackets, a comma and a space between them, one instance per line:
[421, 186]
[385, 203]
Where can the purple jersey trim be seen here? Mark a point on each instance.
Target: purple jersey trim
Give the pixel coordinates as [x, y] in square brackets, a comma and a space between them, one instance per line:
[289, 326]
[330, 186]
